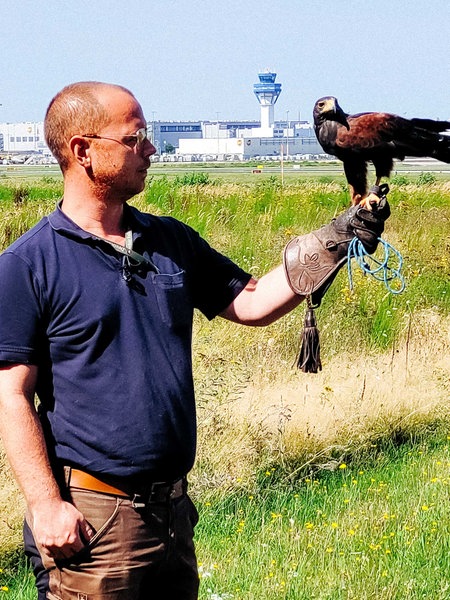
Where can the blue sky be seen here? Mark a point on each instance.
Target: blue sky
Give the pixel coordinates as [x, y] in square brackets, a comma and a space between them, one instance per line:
[199, 59]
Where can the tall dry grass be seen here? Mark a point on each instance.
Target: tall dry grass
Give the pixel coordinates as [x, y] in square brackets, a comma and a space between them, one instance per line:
[301, 423]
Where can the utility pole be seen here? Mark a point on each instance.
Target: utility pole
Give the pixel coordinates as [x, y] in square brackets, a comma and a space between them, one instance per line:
[287, 134]
[218, 131]
[153, 140]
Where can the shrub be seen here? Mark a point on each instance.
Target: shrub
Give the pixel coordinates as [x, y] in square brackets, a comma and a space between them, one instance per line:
[20, 194]
[400, 180]
[192, 179]
[426, 178]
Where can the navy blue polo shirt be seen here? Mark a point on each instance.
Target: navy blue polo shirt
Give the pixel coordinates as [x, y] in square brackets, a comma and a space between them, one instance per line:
[115, 369]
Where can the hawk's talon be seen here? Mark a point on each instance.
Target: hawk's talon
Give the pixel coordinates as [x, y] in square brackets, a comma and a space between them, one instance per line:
[369, 201]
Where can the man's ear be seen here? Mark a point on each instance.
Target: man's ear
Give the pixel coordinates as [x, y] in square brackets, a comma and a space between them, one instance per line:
[80, 148]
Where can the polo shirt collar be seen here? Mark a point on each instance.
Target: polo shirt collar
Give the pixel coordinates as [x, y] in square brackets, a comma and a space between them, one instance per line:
[61, 223]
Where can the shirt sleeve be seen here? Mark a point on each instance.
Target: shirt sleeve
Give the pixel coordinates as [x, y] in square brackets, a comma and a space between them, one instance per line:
[20, 312]
[217, 280]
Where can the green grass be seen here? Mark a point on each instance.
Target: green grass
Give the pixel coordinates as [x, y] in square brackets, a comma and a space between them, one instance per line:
[376, 528]
[362, 532]
[16, 577]
[252, 222]
[279, 517]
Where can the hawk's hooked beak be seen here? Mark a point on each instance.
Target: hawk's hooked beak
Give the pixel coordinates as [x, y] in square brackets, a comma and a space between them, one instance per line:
[341, 117]
[331, 107]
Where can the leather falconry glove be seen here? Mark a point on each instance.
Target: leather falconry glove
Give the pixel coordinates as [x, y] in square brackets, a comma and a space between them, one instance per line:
[312, 261]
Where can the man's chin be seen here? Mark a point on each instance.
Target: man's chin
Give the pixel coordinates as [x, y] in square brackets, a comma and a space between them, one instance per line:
[137, 190]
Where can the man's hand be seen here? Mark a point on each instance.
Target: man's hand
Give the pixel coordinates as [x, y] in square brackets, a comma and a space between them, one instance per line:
[368, 223]
[59, 528]
[312, 261]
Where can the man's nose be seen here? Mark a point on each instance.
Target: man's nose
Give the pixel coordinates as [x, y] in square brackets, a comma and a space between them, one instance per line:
[149, 148]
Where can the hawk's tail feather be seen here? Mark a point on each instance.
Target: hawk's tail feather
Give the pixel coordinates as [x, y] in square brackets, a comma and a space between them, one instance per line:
[428, 142]
[431, 124]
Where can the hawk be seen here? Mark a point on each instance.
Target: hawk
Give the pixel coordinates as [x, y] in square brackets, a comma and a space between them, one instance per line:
[378, 138]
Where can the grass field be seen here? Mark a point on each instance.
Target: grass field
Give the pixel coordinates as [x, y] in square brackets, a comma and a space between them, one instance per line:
[331, 486]
[354, 533]
[239, 172]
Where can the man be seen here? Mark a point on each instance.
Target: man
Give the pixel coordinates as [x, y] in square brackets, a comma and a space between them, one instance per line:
[96, 318]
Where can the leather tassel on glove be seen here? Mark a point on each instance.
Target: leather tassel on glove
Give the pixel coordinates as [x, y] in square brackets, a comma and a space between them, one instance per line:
[309, 357]
[312, 261]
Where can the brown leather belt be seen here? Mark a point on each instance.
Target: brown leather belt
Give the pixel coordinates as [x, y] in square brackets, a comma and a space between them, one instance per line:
[150, 492]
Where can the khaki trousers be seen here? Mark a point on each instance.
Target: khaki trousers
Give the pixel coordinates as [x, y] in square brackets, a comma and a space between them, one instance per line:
[136, 553]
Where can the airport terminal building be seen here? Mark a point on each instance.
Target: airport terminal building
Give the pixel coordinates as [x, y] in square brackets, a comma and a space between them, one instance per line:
[239, 140]
[231, 140]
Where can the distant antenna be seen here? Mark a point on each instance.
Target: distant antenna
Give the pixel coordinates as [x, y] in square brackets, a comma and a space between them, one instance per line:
[267, 92]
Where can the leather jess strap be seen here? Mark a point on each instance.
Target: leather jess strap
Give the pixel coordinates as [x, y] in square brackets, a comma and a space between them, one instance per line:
[151, 492]
[134, 259]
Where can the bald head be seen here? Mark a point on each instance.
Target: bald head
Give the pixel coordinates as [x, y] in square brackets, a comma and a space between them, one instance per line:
[78, 108]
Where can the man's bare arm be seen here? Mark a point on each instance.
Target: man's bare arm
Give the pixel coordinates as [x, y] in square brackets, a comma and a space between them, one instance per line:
[263, 301]
[57, 525]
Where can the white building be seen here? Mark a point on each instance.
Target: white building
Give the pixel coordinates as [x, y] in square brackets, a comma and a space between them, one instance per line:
[23, 138]
[242, 141]
[244, 148]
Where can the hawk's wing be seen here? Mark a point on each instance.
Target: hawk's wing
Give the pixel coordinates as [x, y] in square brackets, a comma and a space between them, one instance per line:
[371, 131]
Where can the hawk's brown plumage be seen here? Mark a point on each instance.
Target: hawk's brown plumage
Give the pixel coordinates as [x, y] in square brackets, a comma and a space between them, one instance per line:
[375, 137]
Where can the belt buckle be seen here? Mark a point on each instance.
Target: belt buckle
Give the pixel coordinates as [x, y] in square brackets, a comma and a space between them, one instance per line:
[142, 500]
[138, 501]
[178, 488]
[158, 492]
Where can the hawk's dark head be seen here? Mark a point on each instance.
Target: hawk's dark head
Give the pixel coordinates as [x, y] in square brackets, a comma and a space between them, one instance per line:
[328, 109]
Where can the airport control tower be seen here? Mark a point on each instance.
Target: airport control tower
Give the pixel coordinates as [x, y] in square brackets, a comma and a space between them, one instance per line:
[267, 92]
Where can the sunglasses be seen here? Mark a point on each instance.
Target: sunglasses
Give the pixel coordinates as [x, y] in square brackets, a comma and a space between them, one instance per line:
[135, 140]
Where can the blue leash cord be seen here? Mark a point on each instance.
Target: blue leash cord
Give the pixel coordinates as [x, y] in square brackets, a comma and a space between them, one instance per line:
[382, 270]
